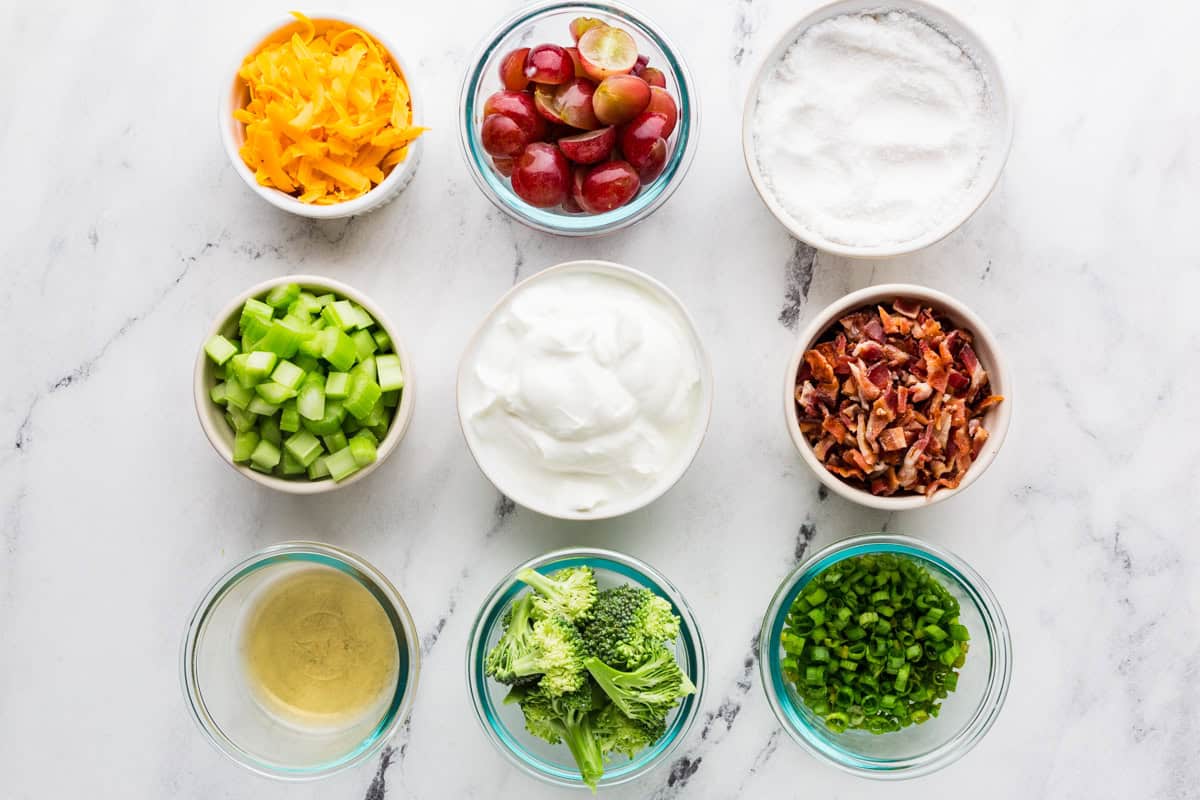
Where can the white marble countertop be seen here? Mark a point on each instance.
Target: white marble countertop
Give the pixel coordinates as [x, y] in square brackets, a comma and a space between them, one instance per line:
[125, 230]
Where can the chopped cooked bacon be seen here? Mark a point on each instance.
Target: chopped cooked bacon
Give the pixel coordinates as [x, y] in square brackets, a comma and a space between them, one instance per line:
[888, 399]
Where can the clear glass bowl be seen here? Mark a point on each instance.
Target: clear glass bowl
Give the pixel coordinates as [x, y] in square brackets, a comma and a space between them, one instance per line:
[546, 22]
[966, 715]
[221, 702]
[505, 725]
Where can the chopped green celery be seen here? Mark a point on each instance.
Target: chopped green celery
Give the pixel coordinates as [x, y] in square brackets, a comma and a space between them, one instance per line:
[377, 416]
[364, 393]
[307, 303]
[318, 324]
[340, 314]
[217, 394]
[364, 343]
[219, 371]
[369, 436]
[325, 299]
[220, 349]
[391, 399]
[281, 339]
[380, 431]
[275, 393]
[262, 407]
[265, 456]
[338, 348]
[341, 464]
[282, 296]
[382, 340]
[268, 429]
[256, 315]
[258, 365]
[304, 446]
[312, 346]
[290, 465]
[366, 368]
[288, 374]
[250, 343]
[362, 448]
[244, 443]
[238, 396]
[240, 420]
[318, 469]
[335, 414]
[289, 420]
[362, 318]
[311, 400]
[337, 385]
[389, 372]
[308, 363]
[351, 426]
[335, 441]
[237, 367]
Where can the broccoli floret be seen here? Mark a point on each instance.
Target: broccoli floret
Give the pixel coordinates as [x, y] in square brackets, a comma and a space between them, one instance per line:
[648, 693]
[628, 625]
[617, 733]
[567, 718]
[516, 643]
[570, 592]
[548, 652]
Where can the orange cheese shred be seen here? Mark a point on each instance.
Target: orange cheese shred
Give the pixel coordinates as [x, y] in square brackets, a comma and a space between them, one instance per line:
[328, 114]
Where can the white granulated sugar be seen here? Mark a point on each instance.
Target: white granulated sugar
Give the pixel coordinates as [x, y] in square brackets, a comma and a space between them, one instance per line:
[872, 128]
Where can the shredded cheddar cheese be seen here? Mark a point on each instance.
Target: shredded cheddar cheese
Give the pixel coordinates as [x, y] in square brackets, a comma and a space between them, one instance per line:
[328, 114]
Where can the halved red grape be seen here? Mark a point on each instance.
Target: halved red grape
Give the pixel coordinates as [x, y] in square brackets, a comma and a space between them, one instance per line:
[581, 25]
[661, 102]
[502, 136]
[573, 52]
[653, 161]
[546, 104]
[512, 70]
[620, 98]
[578, 176]
[654, 76]
[609, 185]
[549, 63]
[640, 142]
[541, 176]
[589, 148]
[504, 165]
[517, 106]
[573, 102]
[607, 51]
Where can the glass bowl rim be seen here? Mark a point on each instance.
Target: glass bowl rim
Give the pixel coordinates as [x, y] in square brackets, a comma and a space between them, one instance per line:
[651, 197]
[381, 588]
[690, 637]
[976, 590]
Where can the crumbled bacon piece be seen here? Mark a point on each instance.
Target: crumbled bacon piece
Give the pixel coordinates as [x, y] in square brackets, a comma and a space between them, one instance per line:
[892, 399]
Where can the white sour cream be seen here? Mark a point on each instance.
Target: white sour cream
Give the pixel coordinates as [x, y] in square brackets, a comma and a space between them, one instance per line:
[583, 391]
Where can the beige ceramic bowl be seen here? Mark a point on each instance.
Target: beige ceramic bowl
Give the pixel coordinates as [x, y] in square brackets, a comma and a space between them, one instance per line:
[996, 419]
[211, 415]
[233, 96]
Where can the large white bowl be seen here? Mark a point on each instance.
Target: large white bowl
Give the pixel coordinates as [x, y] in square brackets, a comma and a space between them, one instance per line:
[993, 161]
[996, 419]
[665, 481]
[233, 133]
[212, 416]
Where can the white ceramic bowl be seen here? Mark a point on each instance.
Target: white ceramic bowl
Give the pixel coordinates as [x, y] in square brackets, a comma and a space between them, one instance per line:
[619, 506]
[212, 418]
[993, 161]
[233, 96]
[996, 419]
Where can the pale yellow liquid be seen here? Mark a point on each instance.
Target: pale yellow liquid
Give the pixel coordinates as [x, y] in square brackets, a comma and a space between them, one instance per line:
[319, 649]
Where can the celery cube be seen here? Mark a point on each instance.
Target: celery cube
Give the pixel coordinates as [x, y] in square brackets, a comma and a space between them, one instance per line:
[282, 296]
[312, 346]
[341, 464]
[308, 363]
[282, 340]
[325, 299]
[382, 340]
[364, 393]
[390, 373]
[274, 393]
[337, 385]
[335, 441]
[258, 365]
[240, 420]
[362, 448]
[288, 374]
[237, 367]
[219, 371]
[265, 456]
[310, 402]
[340, 314]
[380, 431]
[290, 465]
[305, 305]
[217, 394]
[220, 349]
[335, 414]
[256, 315]
[237, 395]
[262, 407]
[305, 447]
[289, 420]
[378, 415]
[366, 368]
[318, 469]
[243, 446]
[361, 318]
[364, 344]
[391, 399]
[268, 429]
[338, 349]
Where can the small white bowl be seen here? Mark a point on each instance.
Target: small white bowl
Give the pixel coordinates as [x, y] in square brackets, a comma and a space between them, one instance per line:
[993, 161]
[212, 418]
[233, 134]
[996, 419]
[667, 479]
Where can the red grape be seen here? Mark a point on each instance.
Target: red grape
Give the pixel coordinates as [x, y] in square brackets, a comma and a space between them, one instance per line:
[549, 63]
[654, 76]
[517, 106]
[512, 70]
[661, 102]
[504, 165]
[541, 175]
[502, 136]
[640, 143]
[607, 51]
[620, 98]
[608, 186]
[574, 104]
[590, 147]
[581, 25]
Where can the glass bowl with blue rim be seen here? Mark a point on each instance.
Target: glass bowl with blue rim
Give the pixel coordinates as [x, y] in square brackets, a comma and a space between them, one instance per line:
[965, 715]
[222, 703]
[504, 724]
[547, 23]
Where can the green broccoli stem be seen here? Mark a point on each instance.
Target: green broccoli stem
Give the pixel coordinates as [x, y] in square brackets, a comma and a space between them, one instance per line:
[547, 587]
[584, 748]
